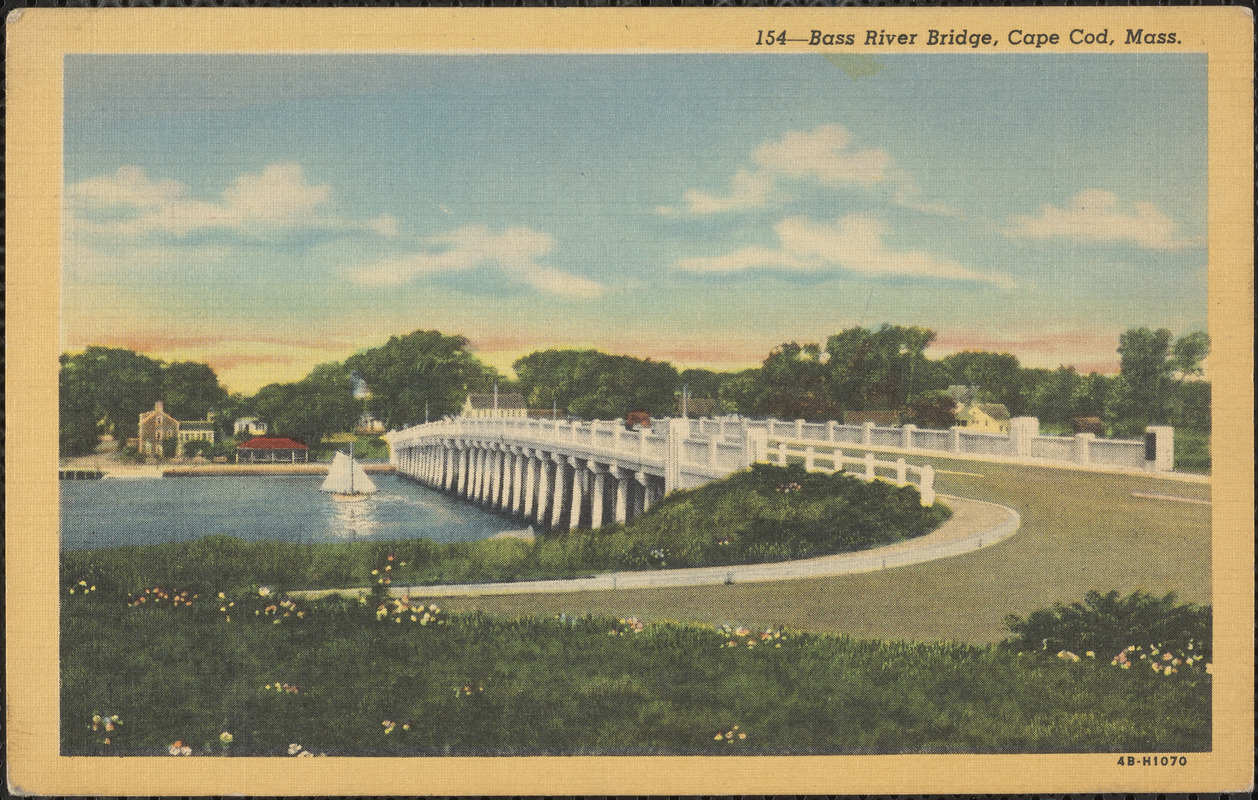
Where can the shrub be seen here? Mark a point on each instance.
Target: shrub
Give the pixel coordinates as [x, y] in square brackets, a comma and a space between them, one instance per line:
[1106, 624]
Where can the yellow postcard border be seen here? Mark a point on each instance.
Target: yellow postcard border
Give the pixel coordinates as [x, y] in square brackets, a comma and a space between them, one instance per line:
[39, 38]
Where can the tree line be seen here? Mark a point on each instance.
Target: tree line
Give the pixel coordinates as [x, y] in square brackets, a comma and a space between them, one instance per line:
[427, 375]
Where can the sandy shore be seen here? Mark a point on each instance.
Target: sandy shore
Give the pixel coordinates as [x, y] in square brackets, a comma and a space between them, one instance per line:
[106, 463]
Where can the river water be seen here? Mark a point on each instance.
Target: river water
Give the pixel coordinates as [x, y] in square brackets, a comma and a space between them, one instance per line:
[115, 512]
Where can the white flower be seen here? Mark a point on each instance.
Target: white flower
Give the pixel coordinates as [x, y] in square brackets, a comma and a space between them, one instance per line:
[294, 749]
[264, 591]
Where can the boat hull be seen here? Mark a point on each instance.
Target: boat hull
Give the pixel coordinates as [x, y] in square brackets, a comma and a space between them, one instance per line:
[348, 498]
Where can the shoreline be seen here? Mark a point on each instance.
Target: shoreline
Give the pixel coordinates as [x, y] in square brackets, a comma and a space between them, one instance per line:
[133, 471]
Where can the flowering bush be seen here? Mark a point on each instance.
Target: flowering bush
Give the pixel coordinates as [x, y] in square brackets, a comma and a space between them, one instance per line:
[399, 609]
[1109, 624]
[1161, 660]
[627, 625]
[106, 727]
[286, 688]
[730, 735]
[281, 610]
[743, 636]
[157, 595]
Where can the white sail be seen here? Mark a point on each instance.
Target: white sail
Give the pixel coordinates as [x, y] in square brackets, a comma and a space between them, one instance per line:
[346, 476]
[362, 484]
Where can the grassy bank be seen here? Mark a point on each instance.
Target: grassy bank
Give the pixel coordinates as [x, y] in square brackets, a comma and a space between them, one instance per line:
[1192, 450]
[766, 514]
[246, 674]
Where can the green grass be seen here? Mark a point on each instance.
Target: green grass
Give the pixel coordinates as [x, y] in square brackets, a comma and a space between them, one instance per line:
[766, 514]
[470, 684]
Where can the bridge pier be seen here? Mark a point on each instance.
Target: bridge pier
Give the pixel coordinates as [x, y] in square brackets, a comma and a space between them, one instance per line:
[622, 495]
[596, 497]
[579, 477]
[560, 478]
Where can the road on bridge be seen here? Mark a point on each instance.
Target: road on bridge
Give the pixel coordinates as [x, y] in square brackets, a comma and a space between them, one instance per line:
[1080, 531]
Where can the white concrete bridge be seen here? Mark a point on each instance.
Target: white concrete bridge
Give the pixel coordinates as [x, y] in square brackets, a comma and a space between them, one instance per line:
[587, 474]
[557, 473]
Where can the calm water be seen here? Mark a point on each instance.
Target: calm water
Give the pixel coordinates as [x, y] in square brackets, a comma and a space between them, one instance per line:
[114, 512]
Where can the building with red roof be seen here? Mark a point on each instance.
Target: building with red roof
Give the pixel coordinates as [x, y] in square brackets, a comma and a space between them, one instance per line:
[272, 450]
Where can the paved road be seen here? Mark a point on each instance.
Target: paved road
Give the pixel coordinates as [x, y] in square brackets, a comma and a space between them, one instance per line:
[974, 524]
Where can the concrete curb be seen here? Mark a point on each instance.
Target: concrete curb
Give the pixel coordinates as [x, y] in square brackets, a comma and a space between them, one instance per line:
[974, 524]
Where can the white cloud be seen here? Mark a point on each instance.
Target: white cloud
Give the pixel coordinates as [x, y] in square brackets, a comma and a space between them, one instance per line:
[822, 155]
[514, 252]
[1098, 215]
[746, 258]
[747, 190]
[129, 203]
[853, 243]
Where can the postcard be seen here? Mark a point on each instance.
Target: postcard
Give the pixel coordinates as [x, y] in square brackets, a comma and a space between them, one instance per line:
[629, 401]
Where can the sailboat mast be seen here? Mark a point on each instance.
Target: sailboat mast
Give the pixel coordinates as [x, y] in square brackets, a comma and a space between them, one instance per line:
[351, 467]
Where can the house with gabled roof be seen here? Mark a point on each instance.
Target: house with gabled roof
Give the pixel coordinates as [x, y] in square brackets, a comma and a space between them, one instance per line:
[494, 404]
[157, 427]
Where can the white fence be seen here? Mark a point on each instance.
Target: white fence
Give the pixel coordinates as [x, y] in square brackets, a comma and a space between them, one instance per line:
[822, 456]
[1022, 443]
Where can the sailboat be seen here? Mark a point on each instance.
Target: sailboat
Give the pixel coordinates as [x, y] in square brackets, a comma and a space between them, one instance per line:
[346, 479]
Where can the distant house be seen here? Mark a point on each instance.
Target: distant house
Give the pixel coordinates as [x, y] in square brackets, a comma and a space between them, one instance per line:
[975, 416]
[368, 425]
[272, 450]
[157, 427]
[197, 430]
[251, 426]
[495, 405]
[985, 417]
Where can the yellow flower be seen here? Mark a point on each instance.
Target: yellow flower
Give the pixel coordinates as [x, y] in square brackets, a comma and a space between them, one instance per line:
[225, 737]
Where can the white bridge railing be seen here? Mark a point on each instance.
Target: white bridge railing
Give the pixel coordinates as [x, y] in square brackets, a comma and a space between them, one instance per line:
[821, 456]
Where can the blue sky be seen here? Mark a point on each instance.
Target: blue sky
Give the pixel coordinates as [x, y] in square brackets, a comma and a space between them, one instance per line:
[267, 213]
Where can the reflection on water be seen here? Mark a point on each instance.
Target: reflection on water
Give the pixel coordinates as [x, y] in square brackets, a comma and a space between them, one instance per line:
[114, 513]
[352, 520]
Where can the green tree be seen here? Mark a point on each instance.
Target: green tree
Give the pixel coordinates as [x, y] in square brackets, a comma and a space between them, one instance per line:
[1052, 394]
[421, 369]
[933, 410]
[191, 390]
[320, 404]
[794, 377]
[998, 376]
[1152, 367]
[878, 369]
[596, 385]
[77, 415]
[123, 384]
[1089, 396]
[743, 392]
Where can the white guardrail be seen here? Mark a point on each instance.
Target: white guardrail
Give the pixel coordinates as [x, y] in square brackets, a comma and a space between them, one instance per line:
[829, 457]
